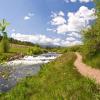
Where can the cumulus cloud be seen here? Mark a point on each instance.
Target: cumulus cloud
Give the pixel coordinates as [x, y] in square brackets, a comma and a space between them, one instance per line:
[81, 1]
[58, 19]
[29, 16]
[86, 1]
[74, 34]
[76, 20]
[72, 24]
[67, 1]
[45, 40]
[61, 13]
[73, 0]
[70, 39]
[70, 43]
[61, 29]
[40, 39]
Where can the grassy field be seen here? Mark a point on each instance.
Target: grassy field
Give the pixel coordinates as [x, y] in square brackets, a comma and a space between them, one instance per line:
[93, 61]
[16, 49]
[58, 80]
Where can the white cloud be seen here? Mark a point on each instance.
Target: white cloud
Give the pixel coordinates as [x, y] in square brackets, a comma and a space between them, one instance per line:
[70, 39]
[44, 40]
[70, 43]
[50, 29]
[67, 1]
[80, 19]
[86, 1]
[81, 1]
[74, 34]
[71, 28]
[73, 0]
[61, 13]
[58, 20]
[62, 29]
[76, 20]
[40, 39]
[29, 16]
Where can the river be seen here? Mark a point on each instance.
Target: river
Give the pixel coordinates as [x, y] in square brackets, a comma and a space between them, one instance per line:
[21, 68]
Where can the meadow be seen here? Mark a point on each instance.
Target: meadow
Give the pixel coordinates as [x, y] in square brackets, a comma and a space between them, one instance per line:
[57, 80]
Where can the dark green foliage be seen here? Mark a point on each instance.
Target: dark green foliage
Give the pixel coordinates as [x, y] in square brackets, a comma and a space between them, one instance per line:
[36, 50]
[66, 49]
[5, 43]
[93, 61]
[92, 35]
[91, 38]
[4, 57]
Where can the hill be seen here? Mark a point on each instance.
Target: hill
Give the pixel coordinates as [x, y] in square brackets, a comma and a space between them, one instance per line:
[14, 41]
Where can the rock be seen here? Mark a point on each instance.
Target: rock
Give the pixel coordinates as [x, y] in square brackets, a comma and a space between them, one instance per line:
[17, 56]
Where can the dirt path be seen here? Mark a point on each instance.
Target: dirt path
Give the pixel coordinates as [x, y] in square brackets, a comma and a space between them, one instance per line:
[86, 70]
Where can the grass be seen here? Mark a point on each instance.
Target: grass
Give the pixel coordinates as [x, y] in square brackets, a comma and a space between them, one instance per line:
[16, 49]
[93, 61]
[58, 80]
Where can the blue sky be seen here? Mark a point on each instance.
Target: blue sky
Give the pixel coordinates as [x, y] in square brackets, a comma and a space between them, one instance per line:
[33, 17]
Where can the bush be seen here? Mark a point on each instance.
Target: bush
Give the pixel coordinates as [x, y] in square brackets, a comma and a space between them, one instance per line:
[91, 36]
[35, 50]
[5, 44]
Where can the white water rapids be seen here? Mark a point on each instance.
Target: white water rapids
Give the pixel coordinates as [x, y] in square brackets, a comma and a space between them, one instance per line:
[21, 68]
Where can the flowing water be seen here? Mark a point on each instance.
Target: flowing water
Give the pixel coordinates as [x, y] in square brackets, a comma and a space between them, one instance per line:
[21, 68]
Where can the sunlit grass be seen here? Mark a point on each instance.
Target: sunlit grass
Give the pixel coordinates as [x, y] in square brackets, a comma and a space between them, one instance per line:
[58, 80]
[16, 49]
[93, 61]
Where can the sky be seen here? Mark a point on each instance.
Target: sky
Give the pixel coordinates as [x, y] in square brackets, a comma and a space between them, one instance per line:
[48, 22]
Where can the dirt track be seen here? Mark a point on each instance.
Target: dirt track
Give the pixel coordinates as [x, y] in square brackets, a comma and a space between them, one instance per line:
[86, 70]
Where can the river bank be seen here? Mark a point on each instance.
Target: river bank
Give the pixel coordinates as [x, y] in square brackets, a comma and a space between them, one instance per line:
[21, 68]
[58, 79]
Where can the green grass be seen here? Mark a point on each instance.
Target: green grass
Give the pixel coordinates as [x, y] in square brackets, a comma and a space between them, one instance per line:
[16, 49]
[93, 61]
[58, 80]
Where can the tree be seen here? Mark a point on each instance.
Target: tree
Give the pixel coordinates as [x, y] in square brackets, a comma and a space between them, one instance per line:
[92, 35]
[4, 42]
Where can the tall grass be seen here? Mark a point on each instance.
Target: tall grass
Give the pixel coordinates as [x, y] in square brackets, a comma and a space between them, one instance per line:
[16, 49]
[58, 80]
[93, 61]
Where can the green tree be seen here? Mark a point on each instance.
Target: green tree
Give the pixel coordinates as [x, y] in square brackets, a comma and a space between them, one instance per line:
[4, 42]
[92, 35]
